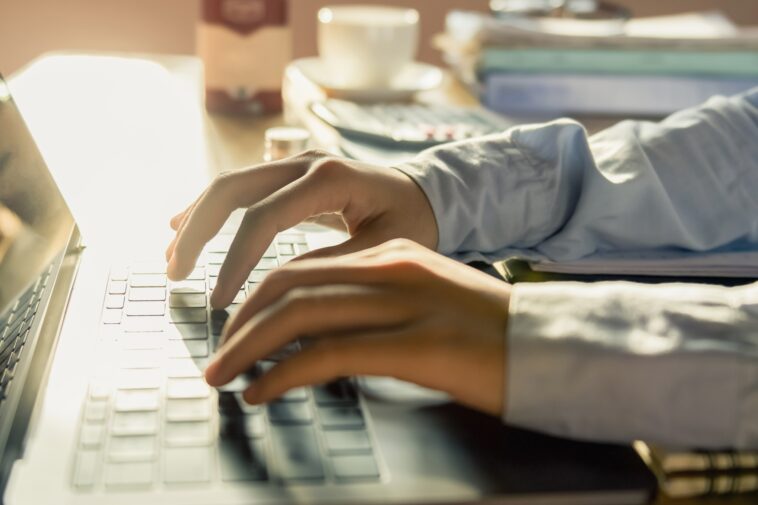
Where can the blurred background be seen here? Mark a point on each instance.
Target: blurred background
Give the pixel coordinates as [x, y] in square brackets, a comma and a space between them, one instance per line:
[29, 28]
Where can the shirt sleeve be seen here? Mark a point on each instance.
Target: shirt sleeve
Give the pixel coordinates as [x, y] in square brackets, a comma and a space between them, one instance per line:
[674, 364]
[549, 191]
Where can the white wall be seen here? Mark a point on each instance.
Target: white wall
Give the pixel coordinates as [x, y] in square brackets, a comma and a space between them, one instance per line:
[31, 27]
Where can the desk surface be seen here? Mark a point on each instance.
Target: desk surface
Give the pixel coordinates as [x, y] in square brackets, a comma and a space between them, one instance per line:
[186, 145]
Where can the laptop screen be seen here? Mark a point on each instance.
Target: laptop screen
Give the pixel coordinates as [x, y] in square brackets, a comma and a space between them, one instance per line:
[35, 222]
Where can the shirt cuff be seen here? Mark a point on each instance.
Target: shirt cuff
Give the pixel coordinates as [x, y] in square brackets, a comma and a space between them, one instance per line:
[616, 362]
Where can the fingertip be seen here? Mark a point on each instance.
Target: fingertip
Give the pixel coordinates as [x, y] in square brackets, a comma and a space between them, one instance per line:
[253, 394]
[176, 221]
[212, 374]
[218, 299]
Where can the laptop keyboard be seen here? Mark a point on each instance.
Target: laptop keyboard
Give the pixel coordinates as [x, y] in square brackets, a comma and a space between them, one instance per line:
[150, 419]
[14, 332]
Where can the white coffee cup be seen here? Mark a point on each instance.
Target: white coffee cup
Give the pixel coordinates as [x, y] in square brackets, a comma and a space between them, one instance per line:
[366, 46]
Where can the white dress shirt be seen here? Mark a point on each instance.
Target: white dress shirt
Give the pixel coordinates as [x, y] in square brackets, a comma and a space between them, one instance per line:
[674, 364]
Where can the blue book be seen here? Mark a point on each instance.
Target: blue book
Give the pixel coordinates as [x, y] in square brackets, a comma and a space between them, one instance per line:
[554, 94]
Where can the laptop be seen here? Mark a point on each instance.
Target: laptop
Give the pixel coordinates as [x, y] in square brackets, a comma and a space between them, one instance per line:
[103, 399]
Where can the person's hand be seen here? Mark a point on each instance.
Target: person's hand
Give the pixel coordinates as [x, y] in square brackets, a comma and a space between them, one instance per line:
[375, 203]
[397, 309]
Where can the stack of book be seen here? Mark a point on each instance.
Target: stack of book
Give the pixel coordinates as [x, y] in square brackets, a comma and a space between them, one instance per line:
[642, 67]
[684, 474]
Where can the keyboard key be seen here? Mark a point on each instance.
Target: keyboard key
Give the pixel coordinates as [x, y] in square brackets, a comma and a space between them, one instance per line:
[290, 238]
[267, 264]
[186, 465]
[270, 252]
[257, 276]
[119, 273]
[140, 359]
[188, 315]
[148, 281]
[146, 309]
[355, 467]
[112, 316]
[137, 400]
[340, 417]
[338, 441]
[215, 258]
[139, 379]
[129, 474]
[132, 448]
[237, 385]
[99, 390]
[195, 409]
[255, 425]
[239, 298]
[140, 341]
[220, 243]
[246, 407]
[213, 270]
[96, 411]
[187, 300]
[185, 367]
[187, 388]
[285, 249]
[87, 466]
[294, 395]
[284, 259]
[135, 423]
[147, 294]
[296, 453]
[187, 348]
[188, 331]
[335, 393]
[148, 267]
[289, 413]
[188, 286]
[117, 287]
[188, 433]
[92, 435]
[242, 460]
[198, 274]
[114, 301]
[145, 324]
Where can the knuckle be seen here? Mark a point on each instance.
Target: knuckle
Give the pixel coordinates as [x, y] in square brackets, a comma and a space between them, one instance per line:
[316, 154]
[329, 168]
[401, 244]
[222, 181]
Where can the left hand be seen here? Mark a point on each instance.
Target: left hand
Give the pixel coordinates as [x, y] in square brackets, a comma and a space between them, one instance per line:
[397, 309]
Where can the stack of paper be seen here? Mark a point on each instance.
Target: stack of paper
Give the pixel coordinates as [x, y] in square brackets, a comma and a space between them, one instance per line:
[554, 66]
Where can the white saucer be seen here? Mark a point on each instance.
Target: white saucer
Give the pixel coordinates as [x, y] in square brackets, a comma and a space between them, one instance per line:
[414, 78]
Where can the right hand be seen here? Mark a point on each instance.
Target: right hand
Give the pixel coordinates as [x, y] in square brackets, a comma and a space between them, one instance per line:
[375, 203]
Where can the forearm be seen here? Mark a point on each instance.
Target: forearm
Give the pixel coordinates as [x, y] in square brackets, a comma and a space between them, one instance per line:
[676, 364]
[549, 191]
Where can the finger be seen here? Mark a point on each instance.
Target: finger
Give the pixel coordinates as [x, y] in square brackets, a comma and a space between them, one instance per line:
[362, 267]
[312, 311]
[329, 359]
[320, 191]
[227, 193]
[180, 220]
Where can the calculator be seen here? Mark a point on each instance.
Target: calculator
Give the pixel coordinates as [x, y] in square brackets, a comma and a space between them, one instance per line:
[407, 125]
